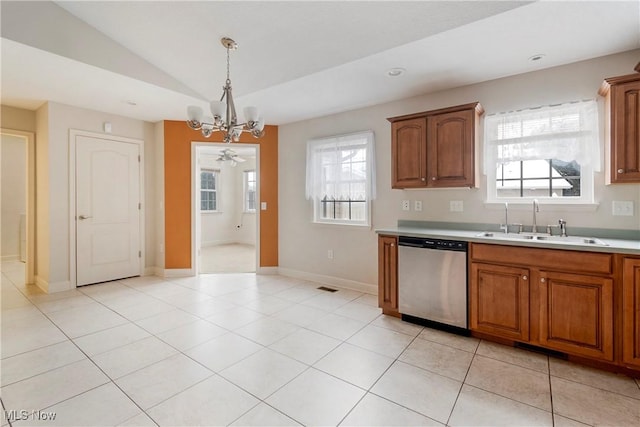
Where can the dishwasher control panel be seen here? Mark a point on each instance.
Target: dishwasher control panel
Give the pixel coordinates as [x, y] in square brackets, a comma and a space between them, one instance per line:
[427, 243]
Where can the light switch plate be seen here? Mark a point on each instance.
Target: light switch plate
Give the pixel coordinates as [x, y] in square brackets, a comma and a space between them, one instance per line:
[622, 208]
[417, 205]
[263, 206]
[456, 206]
[406, 206]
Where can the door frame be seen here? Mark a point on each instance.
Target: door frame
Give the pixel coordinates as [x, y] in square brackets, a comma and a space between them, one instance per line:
[30, 140]
[73, 135]
[195, 211]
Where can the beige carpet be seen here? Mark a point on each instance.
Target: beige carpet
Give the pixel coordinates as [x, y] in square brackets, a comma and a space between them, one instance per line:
[233, 258]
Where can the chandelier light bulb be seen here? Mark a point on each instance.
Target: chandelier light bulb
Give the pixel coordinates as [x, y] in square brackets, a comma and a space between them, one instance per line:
[251, 114]
[218, 109]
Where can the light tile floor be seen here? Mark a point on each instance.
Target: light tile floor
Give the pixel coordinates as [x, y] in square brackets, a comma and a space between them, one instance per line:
[268, 350]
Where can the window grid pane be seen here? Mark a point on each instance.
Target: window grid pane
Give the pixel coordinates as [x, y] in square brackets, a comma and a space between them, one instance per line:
[250, 186]
[208, 190]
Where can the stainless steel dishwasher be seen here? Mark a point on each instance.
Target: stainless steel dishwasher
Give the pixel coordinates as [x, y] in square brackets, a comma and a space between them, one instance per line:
[432, 282]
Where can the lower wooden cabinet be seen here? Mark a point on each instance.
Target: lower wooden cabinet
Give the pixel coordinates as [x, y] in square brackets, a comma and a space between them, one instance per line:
[560, 300]
[499, 300]
[388, 275]
[631, 312]
[576, 314]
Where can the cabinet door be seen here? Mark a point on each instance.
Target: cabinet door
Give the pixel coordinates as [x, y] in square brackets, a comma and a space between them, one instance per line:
[450, 149]
[625, 132]
[576, 314]
[408, 153]
[499, 300]
[631, 311]
[388, 275]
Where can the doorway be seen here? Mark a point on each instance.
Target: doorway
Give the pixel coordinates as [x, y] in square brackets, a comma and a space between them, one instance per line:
[226, 208]
[17, 167]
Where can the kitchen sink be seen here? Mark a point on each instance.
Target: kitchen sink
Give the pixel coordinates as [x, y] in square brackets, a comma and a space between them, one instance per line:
[575, 240]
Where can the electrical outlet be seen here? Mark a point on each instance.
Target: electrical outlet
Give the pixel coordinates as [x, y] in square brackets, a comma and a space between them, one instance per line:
[330, 254]
[417, 205]
[456, 206]
[622, 208]
[405, 205]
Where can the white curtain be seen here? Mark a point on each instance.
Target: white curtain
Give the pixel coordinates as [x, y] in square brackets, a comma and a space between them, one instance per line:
[325, 159]
[565, 132]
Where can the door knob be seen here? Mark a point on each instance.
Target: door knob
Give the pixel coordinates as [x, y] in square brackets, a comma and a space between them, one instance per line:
[84, 217]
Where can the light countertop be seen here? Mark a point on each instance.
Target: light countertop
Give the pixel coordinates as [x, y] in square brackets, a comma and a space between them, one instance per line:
[515, 239]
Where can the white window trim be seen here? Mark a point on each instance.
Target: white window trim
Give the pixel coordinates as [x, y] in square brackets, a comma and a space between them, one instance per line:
[586, 200]
[245, 179]
[370, 184]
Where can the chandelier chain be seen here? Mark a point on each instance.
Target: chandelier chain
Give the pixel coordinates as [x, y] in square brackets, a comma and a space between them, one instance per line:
[228, 79]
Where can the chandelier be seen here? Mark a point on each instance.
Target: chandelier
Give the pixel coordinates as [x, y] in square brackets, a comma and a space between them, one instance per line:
[224, 117]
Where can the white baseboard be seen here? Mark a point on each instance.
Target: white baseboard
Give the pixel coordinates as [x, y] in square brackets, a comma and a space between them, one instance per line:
[41, 283]
[150, 271]
[54, 287]
[267, 270]
[330, 280]
[177, 272]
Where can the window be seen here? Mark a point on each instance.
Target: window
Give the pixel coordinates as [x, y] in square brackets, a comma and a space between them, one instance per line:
[250, 191]
[544, 153]
[341, 178]
[209, 190]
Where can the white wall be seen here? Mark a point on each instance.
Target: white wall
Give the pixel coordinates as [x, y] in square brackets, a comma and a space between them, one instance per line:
[13, 179]
[303, 245]
[222, 227]
[56, 120]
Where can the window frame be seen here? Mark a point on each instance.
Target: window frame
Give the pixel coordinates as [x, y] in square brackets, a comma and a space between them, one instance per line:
[587, 176]
[216, 190]
[245, 191]
[320, 204]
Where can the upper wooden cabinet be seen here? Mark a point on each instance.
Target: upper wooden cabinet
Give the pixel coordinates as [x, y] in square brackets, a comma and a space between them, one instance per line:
[435, 149]
[409, 153]
[622, 96]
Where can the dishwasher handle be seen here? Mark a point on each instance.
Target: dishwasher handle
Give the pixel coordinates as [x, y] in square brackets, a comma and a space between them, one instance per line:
[403, 241]
[426, 243]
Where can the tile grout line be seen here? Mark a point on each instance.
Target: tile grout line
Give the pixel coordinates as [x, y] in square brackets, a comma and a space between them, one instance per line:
[111, 380]
[463, 382]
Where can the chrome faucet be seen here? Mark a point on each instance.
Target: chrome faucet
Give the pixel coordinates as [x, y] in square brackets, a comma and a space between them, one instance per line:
[505, 226]
[536, 208]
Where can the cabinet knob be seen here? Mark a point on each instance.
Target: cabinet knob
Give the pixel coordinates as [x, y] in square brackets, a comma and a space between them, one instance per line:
[543, 280]
[620, 170]
[392, 245]
[423, 179]
[433, 178]
[524, 277]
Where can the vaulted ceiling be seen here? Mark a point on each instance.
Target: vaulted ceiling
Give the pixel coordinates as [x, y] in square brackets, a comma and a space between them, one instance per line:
[296, 59]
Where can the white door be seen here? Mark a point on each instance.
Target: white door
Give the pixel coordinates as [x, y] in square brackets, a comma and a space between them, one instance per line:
[107, 210]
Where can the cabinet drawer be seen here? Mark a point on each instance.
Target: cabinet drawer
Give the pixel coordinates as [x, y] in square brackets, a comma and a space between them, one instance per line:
[555, 259]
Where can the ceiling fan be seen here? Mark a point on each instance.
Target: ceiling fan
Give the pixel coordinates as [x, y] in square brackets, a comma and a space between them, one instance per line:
[228, 155]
